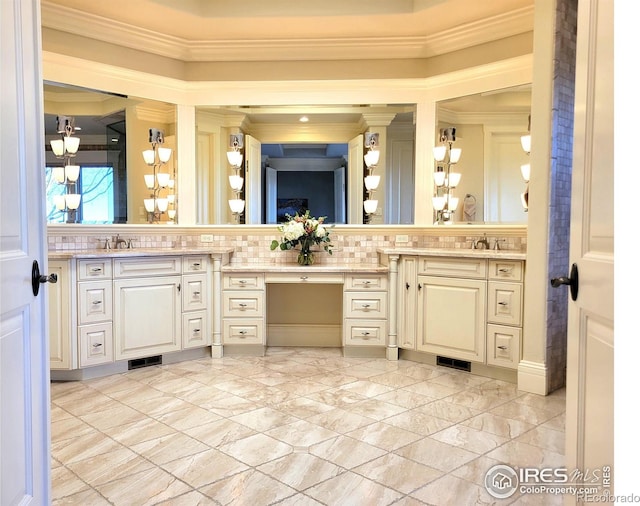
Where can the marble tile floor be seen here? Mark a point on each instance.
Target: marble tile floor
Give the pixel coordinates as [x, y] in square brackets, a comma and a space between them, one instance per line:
[299, 426]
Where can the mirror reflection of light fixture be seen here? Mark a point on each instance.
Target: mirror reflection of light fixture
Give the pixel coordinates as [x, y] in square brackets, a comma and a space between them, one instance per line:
[234, 156]
[445, 155]
[157, 157]
[65, 149]
[371, 181]
[525, 169]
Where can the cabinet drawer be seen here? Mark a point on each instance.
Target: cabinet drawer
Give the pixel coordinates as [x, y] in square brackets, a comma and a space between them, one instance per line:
[146, 266]
[243, 331]
[95, 344]
[94, 269]
[304, 277]
[194, 263]
[248, 304]
[365, 304]
[195, 330]
[504, 303]
[194, 292]
[503, 346]
[510, 270]
[365, 333]
[475, 268]
[243, 281]
[95, 302]
[357, 282]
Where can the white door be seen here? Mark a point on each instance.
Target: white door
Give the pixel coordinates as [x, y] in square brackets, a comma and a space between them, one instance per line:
[340, 210]
[271, 204]
[253, 180]
[355, 181]
[24, 354]
[589, 425]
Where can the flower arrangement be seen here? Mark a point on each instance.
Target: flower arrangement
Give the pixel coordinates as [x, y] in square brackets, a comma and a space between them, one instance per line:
[304, 231]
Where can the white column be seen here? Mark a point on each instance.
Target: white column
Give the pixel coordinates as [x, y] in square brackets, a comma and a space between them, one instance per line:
[216, 324]
[392, 346]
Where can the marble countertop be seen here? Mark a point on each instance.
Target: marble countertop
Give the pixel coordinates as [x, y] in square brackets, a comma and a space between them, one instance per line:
[306, 269]
[457, 252]
[136, 252]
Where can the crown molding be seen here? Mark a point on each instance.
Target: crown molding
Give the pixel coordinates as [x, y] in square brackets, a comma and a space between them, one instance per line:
[68, 20]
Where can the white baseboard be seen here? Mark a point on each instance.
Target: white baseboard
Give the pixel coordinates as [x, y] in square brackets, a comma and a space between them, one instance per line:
[304, 335]
[532, 377]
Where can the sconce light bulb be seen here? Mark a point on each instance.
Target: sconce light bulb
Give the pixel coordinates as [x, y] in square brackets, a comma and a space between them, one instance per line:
[164, 154]
[454, 155]
[72, 172]
[149, 157]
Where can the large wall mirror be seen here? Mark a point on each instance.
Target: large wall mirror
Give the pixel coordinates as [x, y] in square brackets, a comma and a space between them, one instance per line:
[489, 127]
[307, 157]
[103, 181]
[317, 163]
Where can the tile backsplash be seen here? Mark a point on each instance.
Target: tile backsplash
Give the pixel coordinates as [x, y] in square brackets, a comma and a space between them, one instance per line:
[255, 248]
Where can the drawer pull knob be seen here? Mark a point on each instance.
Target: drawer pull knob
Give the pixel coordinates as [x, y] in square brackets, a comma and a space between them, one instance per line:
[196, 331]
[407, 285]
[366, 282]
[196, 294]
[96, 269]
[304, 278]
[366, 306]
[242, 305]
[365, 333]
[502, 303]
[97, 345]
[502, 347]
[97, 302]
[505, 269]
[242, 332]
[196, 265]
[242, 282]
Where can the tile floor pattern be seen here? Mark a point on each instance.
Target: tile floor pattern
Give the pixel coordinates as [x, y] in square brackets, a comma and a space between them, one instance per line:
[299, 426]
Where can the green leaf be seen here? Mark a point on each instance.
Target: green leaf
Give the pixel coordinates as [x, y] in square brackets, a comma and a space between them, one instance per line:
[274, 244]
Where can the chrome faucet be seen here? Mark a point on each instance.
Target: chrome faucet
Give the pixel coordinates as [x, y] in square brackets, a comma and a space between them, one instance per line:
[481, 243]
[119, 242]
[496, 244]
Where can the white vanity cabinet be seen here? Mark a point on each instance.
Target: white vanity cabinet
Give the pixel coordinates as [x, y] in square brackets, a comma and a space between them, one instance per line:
[62, 330]
[461, 307]
[126, 306]
[243, 309]
[451, 308]
[95, 312]
[504, 313]
[196, 297]
[365, 310]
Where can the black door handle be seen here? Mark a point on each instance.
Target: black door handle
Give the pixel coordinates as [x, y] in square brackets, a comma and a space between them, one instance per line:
[37, 278]
[572, 281]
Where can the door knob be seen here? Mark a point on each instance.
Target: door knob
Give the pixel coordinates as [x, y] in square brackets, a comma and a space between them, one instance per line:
[37, 278]
[572, 281]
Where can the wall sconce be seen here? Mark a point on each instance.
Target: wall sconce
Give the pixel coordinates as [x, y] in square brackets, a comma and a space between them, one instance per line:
[371, 181]
[525, 169]
[446, 156]
[157, 157]
[65, 149]
[234, 156]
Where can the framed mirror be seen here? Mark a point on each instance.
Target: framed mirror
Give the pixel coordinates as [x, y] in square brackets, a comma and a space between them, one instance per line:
[102, 181]
[489, 127]
[306, 156]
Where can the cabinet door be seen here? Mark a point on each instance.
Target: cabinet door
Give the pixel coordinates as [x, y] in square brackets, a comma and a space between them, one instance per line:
[407, 302]
[61, 331]
[451, 317]
[194, 292]
[195, 331]
[94, 302]
[147, 316]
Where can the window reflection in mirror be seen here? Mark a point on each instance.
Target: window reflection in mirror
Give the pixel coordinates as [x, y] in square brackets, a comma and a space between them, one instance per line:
[113, 131]
[313, 161]
[488, 130]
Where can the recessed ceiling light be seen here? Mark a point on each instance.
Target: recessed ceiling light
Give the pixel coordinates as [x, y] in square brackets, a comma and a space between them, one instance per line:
[304, 119]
